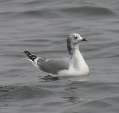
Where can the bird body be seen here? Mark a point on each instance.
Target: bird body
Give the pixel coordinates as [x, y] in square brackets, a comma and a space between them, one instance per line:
[75, 66]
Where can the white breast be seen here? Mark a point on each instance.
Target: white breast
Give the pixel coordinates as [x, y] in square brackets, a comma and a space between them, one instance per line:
[77, 66]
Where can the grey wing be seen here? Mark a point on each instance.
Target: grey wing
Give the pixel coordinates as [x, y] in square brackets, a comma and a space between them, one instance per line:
[52, 66]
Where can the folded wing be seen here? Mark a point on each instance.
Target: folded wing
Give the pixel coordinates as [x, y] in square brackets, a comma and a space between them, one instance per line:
[52, 66]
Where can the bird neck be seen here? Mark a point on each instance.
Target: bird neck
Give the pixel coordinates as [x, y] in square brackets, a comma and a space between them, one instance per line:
[76, 47]
[77, 60]
[76, 52]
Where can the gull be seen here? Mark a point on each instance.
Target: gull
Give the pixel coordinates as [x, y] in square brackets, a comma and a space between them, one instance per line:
[75, 66]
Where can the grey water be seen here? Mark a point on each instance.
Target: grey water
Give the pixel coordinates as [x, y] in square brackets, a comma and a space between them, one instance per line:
[42, 26]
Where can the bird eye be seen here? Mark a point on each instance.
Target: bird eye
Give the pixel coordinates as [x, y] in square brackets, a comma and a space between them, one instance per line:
[75, 37]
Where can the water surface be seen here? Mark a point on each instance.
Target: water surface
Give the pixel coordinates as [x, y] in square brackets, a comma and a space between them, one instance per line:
[41, 26]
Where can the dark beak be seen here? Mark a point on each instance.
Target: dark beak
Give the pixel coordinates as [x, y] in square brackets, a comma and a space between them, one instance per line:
[84, 39]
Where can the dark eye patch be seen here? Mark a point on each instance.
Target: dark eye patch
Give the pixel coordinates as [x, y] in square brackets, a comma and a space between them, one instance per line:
[69, 46]
[75, 37]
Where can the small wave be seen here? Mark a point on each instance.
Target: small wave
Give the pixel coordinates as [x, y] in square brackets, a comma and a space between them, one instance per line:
[40, 13]
[3, 1]
[89, 11]
[104, 103]
[55, 13]
[22, 92]
[32, 2]
[97, 103]
[37, 40]
[35, 2]
[8, 14]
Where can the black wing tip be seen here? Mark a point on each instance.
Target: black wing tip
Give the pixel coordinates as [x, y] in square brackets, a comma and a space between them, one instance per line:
[30, 55]
[26, 52]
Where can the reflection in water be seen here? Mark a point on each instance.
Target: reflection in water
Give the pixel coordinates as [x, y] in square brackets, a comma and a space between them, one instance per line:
[72, 94]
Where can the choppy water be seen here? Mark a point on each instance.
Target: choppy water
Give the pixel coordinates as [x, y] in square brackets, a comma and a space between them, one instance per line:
[41, 26]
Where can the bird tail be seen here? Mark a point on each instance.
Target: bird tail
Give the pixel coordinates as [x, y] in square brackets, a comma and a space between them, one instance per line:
[30, 55]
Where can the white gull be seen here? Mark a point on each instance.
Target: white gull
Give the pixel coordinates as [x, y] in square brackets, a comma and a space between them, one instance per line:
[75, 66]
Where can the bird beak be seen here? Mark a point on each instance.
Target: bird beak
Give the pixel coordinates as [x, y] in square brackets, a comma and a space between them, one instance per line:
[83, 39]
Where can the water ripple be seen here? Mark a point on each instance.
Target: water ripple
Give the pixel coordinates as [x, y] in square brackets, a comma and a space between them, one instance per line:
[22, 92]
[89, 11]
